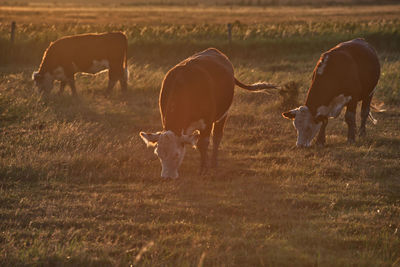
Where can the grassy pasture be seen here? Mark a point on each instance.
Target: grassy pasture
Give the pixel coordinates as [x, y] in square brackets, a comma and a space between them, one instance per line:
[78, 186]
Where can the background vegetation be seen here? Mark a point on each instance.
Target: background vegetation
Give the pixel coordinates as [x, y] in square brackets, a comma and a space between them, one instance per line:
[78, 186]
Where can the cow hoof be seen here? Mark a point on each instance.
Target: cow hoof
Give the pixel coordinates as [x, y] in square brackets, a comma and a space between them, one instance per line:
[214, 163]
[203, 171]
[320, 144]
[107, 92]
[351, 141]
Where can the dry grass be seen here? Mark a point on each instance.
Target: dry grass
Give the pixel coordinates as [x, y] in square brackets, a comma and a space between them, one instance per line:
[79, 187]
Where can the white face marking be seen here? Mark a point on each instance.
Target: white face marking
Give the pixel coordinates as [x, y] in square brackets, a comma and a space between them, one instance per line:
[305, 126]
[44, 82]
[98, 66]
[59, 74]
[170, 149]
[322, 65]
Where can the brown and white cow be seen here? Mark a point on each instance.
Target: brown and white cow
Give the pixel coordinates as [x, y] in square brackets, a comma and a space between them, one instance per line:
[195, 96]
[343, 76]
[88, 53]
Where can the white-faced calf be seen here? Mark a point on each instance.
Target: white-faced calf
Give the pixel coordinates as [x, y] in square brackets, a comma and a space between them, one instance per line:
[88, 53]
[343, 76]
[194, 101]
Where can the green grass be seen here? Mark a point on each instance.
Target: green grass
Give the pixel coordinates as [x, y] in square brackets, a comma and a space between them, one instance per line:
[78, 187]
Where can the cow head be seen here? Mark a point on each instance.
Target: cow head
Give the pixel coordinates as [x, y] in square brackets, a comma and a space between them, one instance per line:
[44, 81]
[307, 125]
[170, 149]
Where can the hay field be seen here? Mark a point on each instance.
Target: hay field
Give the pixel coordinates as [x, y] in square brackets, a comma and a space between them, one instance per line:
[79, 188]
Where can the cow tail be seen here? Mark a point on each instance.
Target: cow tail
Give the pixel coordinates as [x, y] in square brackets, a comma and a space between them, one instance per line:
[256, 86]
[374, 121]
[376, 108]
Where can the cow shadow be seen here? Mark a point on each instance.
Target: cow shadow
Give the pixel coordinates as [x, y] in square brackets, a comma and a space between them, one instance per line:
[374, 158]
[119, 110]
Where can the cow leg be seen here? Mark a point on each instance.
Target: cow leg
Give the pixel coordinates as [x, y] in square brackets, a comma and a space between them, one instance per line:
[350, 118]
[124, 80]
[70, 78]
[62, 86]
[321, 135]
[365, 109]
[124, 84]
[71, 83]
[111, 84]
[112, 79]
[218, 131]
[202, 146]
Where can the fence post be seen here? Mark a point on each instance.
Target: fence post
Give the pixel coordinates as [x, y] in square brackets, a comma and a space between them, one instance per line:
[12, 33]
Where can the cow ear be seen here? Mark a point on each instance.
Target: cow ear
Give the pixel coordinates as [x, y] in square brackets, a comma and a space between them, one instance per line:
[150, 138]
[291, 114]
[191, 139]
[321, 118]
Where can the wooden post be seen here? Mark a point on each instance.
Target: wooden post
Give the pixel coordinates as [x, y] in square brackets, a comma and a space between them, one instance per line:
[12, 33]
[230, 33]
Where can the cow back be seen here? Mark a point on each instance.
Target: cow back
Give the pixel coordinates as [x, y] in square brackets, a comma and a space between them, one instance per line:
[76, 53]
[367, 61]
[199, 88]
[351, 68]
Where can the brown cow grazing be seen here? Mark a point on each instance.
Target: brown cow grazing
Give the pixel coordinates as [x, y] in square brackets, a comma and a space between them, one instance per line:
[88, 53]
[195, 95]
[344, 75]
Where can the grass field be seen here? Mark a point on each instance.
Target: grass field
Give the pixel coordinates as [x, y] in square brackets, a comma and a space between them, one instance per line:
[79, 187]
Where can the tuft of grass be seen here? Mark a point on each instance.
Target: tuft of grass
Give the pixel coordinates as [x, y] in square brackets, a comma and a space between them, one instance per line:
[290, 94]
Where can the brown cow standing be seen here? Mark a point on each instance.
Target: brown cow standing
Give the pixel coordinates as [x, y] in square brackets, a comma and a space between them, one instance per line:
[195, 95]
[88, 53]
[344, 75]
